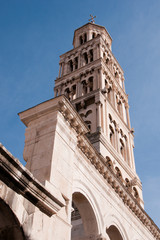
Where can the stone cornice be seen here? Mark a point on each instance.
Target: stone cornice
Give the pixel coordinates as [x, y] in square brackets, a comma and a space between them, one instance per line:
[100, 164]
[61, 104]
[18, 178]
[69, 113]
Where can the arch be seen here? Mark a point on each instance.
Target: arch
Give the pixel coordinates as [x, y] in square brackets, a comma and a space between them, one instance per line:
[112, 220]
[84, 87]
[9, 225]
[112, 135]
[70, 65]
[81, 40]
[90, 84]
[93, 35]
[84, 189]
[84, 223]
[113, 233]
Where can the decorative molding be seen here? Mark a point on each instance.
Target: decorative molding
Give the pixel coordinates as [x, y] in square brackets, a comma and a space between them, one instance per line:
[100, 164]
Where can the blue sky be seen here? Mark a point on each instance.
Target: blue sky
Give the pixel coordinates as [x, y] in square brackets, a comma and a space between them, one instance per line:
[34, 34]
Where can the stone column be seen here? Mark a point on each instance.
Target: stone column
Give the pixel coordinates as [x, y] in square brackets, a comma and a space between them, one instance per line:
[95, 53]
[98, 110]
[79, 60]
[127, 113]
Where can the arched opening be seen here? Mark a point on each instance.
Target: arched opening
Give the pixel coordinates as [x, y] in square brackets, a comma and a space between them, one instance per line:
[84, 87]
[114, 233]
[93, 35]
[85, 37]
[91, 55]
[70, 65]
[83, 220]
[90, 84]
[73, 91]
[112, 136]
[85, 55]
[122, 148]
[9, 224]
[81, 40]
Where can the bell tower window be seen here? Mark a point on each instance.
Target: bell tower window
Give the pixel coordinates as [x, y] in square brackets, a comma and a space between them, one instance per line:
[85, 58]
[71, 65]
[81, 40]
[85, 37]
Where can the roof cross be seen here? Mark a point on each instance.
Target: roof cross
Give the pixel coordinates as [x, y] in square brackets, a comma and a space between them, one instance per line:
[92, 19]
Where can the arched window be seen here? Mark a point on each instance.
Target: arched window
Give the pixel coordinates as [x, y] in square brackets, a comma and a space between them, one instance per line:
[119, 106]
[84, 87]
[93, 35]
[76, 62]
[81, 40]
[91, 55]
[85, 37]
[112, 135]
[110, 94]
[85, 58]
[122, 148]
[71, 65]
[90, 84]
[107, 61]
[110, 117]
[73, 91]
[116, 74]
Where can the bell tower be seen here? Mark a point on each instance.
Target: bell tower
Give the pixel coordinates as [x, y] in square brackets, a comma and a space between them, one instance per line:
[92, 79]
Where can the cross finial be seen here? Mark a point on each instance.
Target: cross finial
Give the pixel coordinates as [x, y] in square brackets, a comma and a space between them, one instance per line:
[92, 19]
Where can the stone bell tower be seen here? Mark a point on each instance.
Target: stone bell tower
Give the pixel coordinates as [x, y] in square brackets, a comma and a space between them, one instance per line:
[92, 79]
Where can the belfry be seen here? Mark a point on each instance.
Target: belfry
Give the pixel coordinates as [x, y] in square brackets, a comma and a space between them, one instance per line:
[80, 180]
[93, 81]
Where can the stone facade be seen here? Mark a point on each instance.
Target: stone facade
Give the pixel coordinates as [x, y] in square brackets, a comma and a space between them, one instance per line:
[80, 180]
